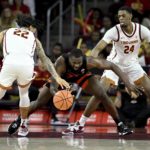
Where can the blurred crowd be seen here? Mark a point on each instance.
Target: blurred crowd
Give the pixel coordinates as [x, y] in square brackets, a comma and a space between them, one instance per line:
[91, 30]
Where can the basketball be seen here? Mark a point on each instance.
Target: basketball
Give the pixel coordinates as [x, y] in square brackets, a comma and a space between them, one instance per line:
[63, 100]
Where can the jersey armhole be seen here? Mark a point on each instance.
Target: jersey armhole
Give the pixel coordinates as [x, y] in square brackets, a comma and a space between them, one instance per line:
[140, 32]
[118, 34]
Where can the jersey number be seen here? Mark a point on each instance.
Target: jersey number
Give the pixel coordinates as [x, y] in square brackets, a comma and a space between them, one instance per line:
[21, 33]
[128, 49]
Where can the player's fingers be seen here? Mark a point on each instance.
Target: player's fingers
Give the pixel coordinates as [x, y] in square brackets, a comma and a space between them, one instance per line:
[64, 84]
[61, 85]
[137, 91]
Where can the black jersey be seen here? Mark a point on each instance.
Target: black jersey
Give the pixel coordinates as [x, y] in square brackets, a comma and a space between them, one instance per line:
[79, 76]
[72, 75]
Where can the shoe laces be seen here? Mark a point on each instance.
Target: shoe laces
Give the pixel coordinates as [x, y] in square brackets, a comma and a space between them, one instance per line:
[14, 125]
[74, 127]
[23, 128]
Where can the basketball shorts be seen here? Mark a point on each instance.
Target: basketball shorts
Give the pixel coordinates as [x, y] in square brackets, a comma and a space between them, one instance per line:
[134, 72]
[23, 74]
[82, 81]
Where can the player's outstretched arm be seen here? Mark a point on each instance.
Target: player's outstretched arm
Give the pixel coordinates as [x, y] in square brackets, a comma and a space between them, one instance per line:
[133, 90]
[60, 69]
[98, 48]
[49, 65]
[104, 64]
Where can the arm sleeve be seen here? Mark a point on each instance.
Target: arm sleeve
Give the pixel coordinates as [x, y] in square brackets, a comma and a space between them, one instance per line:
[111, 35]
[145, 33]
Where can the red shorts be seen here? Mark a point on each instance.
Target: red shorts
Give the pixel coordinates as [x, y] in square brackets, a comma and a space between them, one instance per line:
[82, 81]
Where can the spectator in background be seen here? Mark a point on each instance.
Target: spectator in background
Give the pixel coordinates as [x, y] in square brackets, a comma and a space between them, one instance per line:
[146, 19]
[84, 49]
[3, 4]
[19, 8]
[133, 111]
[57, 50]
[93, 39]
[144, 53]
[139, 5]
[106, 24]
[7, 19]
[93, 20]
[31, 5]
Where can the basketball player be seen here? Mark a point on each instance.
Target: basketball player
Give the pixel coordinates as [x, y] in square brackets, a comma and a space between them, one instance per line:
[19, 45]
[126, 38]
[74, 68]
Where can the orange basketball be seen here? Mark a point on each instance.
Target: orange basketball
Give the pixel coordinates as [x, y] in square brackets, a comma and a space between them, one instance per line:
[63, 100]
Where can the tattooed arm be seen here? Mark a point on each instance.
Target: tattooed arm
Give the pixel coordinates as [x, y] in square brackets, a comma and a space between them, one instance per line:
[49, 65]
[60, 68]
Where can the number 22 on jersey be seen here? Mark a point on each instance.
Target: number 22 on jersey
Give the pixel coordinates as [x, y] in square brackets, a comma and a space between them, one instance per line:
[23, 34]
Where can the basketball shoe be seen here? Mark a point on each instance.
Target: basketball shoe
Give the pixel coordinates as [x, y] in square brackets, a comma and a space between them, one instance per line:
[23, 130]
[13, 127]
[73, 129]
[123, 130]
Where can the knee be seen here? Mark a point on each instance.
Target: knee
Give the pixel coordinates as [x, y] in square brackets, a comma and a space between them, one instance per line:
[102, 96]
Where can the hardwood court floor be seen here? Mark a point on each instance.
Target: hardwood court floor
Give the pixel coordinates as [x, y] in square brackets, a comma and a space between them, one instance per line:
[46, 137]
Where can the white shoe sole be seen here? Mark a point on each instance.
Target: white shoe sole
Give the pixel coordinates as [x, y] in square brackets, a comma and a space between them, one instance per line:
[126, 133]
[21, 134]
[69, 133]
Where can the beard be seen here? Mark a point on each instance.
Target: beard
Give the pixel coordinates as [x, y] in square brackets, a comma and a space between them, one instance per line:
[123, 25]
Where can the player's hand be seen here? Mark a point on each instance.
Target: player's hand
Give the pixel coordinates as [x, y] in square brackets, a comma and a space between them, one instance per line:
[63, 83]
[133, 91]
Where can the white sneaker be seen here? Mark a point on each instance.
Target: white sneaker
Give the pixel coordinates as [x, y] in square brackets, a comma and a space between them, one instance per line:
[74, 129]
[23, 130]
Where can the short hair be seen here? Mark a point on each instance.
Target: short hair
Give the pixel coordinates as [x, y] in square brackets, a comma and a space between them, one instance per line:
[26, 21]
[60, 45]
[126, 8]
[76, 53]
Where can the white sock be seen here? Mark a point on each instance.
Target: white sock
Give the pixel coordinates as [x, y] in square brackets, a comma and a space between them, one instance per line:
[24, 121]
[82, 120]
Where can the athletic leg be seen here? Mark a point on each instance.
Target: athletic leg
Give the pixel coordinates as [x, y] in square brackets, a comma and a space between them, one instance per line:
[24, 108]
[42, 99]
[144, 82]
[94, 102]
[95, 88]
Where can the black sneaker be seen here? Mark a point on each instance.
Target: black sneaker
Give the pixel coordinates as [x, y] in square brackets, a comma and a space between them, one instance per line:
[13, 127]
[123, 130]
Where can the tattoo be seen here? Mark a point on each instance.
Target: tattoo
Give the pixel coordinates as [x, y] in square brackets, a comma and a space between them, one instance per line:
[60, 65]
[45, 60]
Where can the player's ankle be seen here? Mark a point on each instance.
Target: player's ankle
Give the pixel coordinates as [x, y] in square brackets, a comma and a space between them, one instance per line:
[83, 120]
